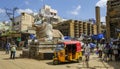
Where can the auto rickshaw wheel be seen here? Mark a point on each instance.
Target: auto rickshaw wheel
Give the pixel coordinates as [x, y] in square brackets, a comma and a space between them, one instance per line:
[55, 62]
[79, 59]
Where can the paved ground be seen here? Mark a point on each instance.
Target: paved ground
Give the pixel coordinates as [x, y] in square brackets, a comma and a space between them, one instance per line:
[24, 63]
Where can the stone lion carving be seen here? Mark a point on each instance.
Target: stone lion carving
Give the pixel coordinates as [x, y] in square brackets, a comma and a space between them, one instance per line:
[44, 30]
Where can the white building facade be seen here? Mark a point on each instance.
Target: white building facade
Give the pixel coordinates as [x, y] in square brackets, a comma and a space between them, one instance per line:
[50, 14]
[23, 22]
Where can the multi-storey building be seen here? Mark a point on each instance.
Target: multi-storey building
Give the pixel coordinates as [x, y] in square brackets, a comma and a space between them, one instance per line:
[23, 22]
[49, 13]
[94, 29]
[75, 28]
[85, 28]
[113, 18]
[80, 27]
[66, 28]
[89, 29]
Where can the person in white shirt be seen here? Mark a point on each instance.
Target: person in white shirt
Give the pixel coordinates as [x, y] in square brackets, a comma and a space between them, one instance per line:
[13, 51]
[87, 51]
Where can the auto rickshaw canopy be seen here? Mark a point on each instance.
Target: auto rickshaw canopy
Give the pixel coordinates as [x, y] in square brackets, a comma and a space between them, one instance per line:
[76, 43]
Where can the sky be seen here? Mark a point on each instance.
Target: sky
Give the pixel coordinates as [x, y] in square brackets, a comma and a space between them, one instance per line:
[68, 9]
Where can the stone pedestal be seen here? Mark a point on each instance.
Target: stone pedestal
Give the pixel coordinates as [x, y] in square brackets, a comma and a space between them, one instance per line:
[25, 53]
[33, 51]
[46, 54]
[43, 50]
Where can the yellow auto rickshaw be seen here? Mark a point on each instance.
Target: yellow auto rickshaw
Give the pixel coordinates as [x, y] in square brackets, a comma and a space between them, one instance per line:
[67, 51]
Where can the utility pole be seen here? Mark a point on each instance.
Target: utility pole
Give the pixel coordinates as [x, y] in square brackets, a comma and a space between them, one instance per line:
[11, 14]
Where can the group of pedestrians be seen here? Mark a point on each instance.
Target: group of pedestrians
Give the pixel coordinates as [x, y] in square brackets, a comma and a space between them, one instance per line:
[108, 51]
[105, 51]
[10, 47]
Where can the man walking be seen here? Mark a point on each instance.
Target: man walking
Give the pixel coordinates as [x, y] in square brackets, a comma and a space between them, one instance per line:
[13, 51]
[87, 51]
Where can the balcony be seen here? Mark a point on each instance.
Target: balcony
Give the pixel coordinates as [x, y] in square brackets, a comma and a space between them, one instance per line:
[115, 3]
[115, 19]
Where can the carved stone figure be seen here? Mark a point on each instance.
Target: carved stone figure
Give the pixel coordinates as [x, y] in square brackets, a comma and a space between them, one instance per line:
[44, 29]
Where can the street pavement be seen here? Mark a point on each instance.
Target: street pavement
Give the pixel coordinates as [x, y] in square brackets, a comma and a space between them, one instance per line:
[25, 63]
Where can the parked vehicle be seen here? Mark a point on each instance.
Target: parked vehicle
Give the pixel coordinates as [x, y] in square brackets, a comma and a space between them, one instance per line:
[67, 51]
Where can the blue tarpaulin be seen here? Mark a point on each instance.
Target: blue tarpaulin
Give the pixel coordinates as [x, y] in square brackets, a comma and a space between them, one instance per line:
[32, 36]
[94, 37]
[67, 38]
[98, 37]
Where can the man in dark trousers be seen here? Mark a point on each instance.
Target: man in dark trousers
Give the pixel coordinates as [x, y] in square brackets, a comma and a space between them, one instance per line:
[13, 51]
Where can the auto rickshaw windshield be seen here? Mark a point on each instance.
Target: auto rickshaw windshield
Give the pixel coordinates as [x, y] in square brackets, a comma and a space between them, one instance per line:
[59, 47]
